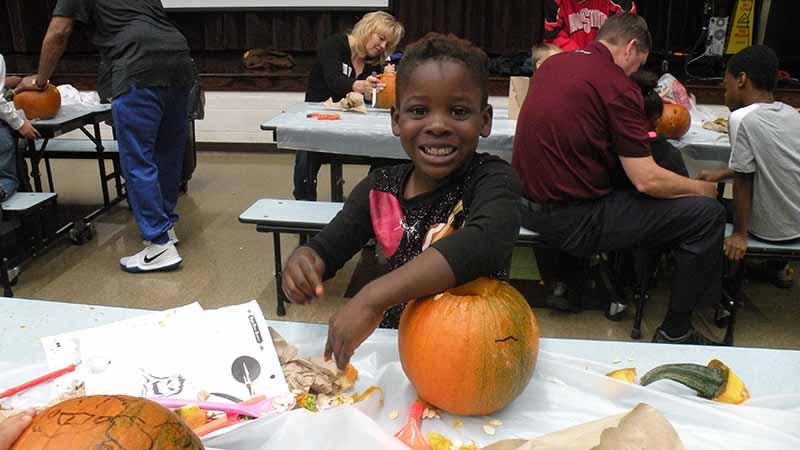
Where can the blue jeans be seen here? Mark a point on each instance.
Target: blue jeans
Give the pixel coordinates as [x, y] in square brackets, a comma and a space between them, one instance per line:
[150, 125]
[8, 160]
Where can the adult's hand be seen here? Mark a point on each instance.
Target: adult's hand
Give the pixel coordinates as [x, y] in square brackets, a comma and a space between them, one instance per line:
[708, 189]
[28, 84]
[366, 86]
[28, 131]
[302, 276]
[12, 427]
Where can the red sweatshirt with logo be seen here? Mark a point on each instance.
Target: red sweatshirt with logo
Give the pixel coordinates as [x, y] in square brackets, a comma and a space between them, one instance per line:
[571, 24]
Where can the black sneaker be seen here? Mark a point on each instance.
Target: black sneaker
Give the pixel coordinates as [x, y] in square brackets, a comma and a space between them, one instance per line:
[692, 337]
[558, 298]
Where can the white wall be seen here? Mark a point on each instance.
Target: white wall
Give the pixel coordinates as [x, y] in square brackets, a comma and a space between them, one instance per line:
[236, 117]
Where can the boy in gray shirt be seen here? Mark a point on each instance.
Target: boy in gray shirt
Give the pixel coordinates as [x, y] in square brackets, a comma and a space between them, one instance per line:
[765, 156]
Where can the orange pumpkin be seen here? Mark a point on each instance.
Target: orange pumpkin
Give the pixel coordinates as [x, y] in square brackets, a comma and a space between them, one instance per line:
[472, 349]
[39, 104]
[675, 121]
[109, 422]
[387, 97]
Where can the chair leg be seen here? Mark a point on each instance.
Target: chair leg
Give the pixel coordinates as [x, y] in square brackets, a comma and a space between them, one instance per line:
[279, 295]
[640, 292]
[733, 303]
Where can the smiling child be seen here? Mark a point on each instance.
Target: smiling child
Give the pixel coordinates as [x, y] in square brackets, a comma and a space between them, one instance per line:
[445, 219]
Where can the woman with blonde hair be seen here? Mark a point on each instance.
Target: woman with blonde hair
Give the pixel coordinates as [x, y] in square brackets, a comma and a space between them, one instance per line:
[346, 62]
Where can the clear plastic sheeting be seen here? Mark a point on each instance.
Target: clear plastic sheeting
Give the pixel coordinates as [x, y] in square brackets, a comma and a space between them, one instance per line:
[368, 134]
[565, 391]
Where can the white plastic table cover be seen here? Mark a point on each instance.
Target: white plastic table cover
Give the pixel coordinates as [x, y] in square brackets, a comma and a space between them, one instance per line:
[702, 144]
[368, 134]
[569, 387]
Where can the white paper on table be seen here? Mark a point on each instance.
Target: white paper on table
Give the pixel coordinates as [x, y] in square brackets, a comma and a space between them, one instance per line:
[64, 349]
[219, 351]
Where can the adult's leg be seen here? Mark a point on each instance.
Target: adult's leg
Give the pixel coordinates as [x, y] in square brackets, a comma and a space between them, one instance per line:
[171, 145]
[306, 169]
[8, 161]
[137, 119]
[691, 227]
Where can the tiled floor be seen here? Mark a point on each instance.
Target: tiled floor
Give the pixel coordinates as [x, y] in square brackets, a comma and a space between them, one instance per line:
[226, 262]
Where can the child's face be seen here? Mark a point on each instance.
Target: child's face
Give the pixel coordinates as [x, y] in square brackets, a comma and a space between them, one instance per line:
[439, 118]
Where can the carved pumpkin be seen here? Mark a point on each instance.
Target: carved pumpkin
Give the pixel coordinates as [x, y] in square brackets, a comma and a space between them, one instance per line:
[675, 121]
[387, 97]
[108, 422]
[39, 104]
[472, 349]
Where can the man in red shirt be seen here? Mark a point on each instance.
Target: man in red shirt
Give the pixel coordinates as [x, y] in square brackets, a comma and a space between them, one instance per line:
[582, 118]
[571, 24]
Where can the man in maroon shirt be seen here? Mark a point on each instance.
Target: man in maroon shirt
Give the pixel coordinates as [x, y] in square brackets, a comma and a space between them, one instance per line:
[582, 118]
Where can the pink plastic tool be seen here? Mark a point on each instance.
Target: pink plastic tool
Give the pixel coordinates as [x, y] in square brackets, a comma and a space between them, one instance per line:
[258, 409]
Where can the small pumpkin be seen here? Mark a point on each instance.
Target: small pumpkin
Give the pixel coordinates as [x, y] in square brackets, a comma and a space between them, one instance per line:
[39, 104]
[111, 422]
[472, 349]
[675, 121]
[387, 97]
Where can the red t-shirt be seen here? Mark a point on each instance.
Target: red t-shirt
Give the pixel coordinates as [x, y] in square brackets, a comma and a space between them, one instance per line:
[571, 24]
[581, 113]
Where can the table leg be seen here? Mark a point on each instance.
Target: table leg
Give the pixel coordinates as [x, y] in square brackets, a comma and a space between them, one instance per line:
[279, 295]
[35, 157]
[101, 164]
[7, 292]
[337, 181]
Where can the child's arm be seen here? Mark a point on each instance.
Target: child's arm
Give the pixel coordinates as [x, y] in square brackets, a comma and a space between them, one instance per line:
[736, 244]
[481, 247]
[329, 250]
[427, 274]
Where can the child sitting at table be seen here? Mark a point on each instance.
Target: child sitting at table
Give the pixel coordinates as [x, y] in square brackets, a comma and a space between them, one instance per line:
[765, 159]
[445, 219]
[10, 120]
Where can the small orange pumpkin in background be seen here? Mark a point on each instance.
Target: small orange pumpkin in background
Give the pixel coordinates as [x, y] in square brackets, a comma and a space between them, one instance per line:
[387, 97]
[39, 104]
[675, 121]
[110, 422]
[472, 349]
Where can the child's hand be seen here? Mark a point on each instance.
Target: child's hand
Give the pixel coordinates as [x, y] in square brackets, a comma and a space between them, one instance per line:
[11, 428]
[13, 81]
[28, 131]
[302, 276]
[349, 327]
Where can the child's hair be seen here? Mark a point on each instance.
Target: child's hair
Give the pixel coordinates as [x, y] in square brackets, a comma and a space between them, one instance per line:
[759, 62]
[377, 22]
[653, 103]
[439, 47]
[540, 52]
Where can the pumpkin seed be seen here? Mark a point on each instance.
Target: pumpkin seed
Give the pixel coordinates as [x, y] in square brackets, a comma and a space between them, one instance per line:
[616, 361]
[438, 296]
[488, 429]
[394, 414]
[495, 422]
[458, 424]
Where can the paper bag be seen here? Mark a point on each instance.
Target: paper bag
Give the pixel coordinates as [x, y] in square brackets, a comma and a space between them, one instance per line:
[517, 90]
[643, 428]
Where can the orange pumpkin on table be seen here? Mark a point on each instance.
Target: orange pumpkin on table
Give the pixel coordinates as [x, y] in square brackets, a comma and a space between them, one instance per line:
[675, 121]
[39, 104]
[109, 422]
[386, 97]
[472, 349]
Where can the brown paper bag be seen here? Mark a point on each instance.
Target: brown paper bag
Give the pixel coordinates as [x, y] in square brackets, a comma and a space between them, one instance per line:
[644, 428]
[517, 90]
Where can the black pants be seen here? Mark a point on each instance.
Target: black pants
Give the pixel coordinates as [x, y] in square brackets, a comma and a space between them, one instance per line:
[691, 227]
[306, 168]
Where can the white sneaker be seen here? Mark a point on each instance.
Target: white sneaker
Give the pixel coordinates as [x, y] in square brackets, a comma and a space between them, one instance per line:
[153, 257]
[173, 236]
